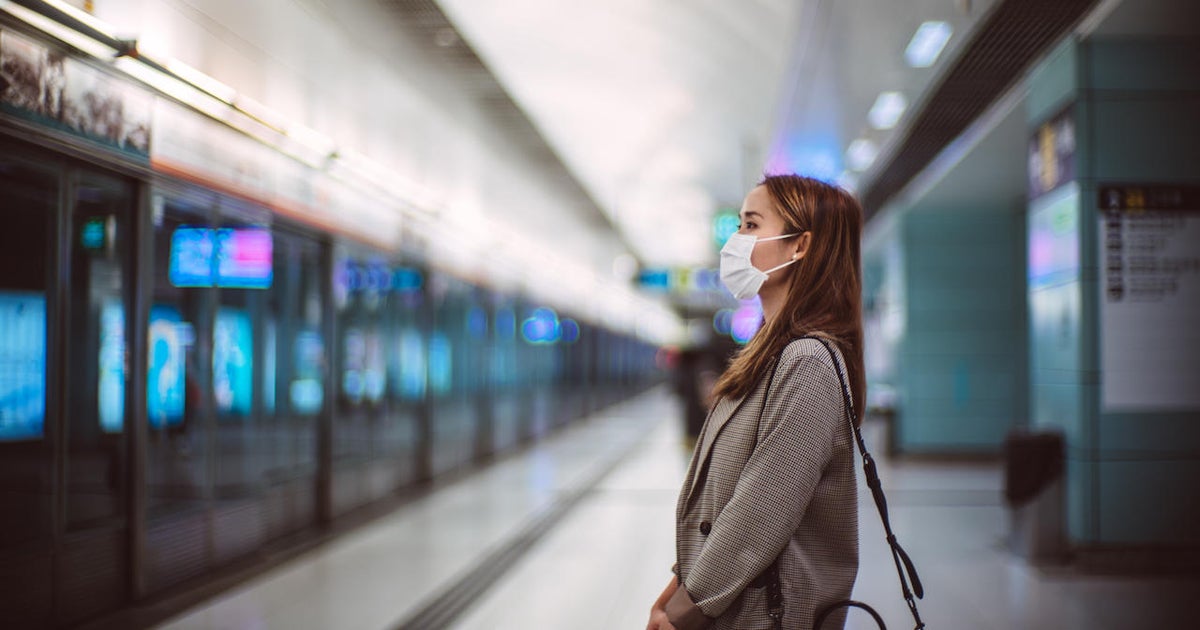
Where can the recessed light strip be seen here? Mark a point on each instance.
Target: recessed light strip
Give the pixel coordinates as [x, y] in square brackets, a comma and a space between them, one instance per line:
[927, 44]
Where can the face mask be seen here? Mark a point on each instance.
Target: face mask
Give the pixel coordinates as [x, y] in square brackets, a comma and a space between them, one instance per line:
[740, 276]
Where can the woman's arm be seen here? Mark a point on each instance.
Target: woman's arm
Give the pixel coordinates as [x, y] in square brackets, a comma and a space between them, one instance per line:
[658, 612]
[795, 442]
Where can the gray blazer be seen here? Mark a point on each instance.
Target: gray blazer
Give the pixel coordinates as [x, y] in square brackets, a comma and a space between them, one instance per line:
[783, 487]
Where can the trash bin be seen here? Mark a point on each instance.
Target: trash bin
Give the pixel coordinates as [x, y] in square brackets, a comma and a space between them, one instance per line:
[1035, 492]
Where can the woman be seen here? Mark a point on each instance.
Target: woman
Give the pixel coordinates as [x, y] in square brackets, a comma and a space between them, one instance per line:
[770, 496]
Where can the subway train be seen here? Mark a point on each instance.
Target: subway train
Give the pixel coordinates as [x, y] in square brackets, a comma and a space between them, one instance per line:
[212, 351]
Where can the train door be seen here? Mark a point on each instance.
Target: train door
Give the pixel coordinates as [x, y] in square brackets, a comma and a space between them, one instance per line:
[92, 562]
[65, 292]
[28, 205]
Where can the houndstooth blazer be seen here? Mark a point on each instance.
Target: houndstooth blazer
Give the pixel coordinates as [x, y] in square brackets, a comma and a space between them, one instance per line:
[783, 487]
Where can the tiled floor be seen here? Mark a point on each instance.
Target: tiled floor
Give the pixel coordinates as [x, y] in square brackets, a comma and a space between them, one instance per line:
[603, 563]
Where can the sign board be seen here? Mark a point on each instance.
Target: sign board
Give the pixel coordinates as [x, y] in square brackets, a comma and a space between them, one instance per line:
[1150, 297]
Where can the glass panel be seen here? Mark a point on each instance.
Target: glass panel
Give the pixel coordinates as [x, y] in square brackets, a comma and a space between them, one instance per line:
[243, 267]
[361, 374]
[99, 295]
[292, 383]
[453, 372]
[27, 208]
[300, 353]
[180, 359]
[405, 358]
[508, 400]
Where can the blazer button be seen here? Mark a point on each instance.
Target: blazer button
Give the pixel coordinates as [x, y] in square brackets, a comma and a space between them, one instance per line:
[705, 527]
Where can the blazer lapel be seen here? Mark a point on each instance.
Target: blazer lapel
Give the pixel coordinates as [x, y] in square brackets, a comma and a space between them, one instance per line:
[720, 415]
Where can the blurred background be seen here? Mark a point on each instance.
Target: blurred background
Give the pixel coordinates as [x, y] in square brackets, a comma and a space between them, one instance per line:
[284, 274]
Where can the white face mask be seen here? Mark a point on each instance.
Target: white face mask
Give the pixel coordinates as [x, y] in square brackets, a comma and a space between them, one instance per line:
[737, 272]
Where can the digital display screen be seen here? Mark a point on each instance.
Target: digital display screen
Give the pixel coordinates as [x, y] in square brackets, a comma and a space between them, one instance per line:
[233, 258]
[440, 364]
[111, 391]
[354, 346]
[233, 364]
[245, 258]
[306, 391]
[408, 371]
[22, 365]
[191, 258]
[169, 337]
[374, 368]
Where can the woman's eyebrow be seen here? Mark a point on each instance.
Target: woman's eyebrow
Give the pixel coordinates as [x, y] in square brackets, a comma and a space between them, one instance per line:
[751, 213]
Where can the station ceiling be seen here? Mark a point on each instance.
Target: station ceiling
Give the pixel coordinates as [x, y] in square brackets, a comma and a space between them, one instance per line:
[666, 112]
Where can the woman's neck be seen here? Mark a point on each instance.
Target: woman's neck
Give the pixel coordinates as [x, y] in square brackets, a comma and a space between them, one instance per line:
[771, 303]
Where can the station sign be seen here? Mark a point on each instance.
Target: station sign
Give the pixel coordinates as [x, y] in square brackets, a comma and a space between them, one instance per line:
[1149, 254]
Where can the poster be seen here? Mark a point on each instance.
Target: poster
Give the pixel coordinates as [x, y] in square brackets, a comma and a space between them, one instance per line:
[111, 391]
[233, 364]
[22, 365]
[166, 377]
[50, 87]
[1149, 298]
[307, 391]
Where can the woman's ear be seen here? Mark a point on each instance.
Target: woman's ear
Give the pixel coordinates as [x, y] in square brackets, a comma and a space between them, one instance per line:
[802, 245]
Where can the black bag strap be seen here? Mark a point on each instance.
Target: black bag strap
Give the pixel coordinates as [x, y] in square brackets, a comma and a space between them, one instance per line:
[774, 586]
[903, 562]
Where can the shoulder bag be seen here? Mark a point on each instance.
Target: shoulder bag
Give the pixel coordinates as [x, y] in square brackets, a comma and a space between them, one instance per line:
[904, 564]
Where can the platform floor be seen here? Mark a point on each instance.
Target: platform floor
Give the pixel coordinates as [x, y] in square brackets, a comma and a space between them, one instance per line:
[577, 532]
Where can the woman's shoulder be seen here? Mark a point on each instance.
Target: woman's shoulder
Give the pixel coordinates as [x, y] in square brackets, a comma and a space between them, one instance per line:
[805, 349]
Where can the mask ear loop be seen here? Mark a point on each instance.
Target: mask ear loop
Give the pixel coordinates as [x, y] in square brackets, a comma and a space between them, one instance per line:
[775, 238]
[778, 267]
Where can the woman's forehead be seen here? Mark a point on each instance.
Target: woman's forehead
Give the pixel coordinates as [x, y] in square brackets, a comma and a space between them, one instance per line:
[758, 201]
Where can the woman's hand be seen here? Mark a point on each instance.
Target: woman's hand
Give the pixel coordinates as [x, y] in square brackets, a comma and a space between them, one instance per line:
[658, 612]
[659, 620]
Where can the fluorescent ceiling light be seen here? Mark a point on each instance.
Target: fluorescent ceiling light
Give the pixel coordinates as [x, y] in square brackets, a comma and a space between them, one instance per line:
[887, 110]
[927, 43]
[82, 16]
[69, 36]
[213, 87]
[861, 154]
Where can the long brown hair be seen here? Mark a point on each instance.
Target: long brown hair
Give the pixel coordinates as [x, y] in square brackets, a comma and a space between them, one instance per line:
[824, 297]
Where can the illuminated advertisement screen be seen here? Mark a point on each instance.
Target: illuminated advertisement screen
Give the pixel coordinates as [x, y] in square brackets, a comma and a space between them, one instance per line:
[244, 258]
[165, 379]
[440, 364]
[231, 258]
[22, 365]
[408, 370]
[111, 392]
[306, 391]
[190, 261]
[374, 368]
[233, 365]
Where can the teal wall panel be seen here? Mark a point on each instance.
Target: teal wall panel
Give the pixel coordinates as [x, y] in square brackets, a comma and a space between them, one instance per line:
[1167, 435]
[1133, 139]
[1148, 502]
[1059, 407]
[1081, 491]
[963, 368]
[1142, 66]
[1053, 83]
